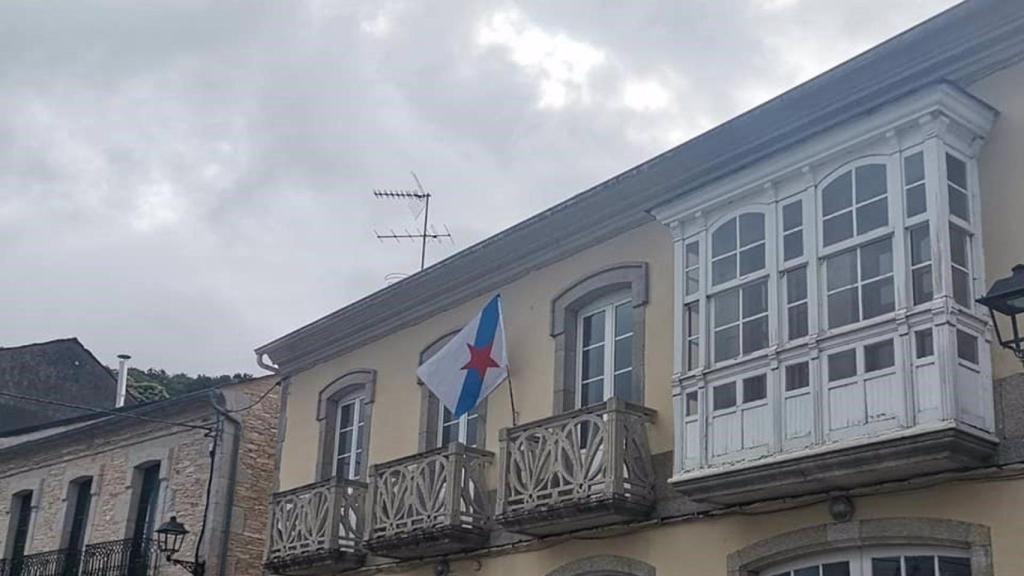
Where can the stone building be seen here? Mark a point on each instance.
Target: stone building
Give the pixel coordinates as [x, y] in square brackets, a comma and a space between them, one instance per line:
[758, 353]
[85, 494]
[55, 370]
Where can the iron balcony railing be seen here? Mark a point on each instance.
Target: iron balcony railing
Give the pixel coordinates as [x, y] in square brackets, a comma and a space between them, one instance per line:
[130, 557]
[319, 522]
[566, 465]
[52, 563]
[435, 500]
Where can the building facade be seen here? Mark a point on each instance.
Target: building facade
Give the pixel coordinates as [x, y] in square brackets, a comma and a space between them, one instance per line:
[85, 495]
[756, 354]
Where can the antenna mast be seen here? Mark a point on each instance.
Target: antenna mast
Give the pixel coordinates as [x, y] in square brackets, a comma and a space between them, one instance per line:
[427, 232]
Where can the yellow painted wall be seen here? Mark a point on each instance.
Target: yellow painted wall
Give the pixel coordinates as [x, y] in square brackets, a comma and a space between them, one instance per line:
[1001, 171]
[527, 307]
[699, 547]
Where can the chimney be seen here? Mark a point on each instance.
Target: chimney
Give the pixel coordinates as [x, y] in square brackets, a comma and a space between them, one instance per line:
[122, 379]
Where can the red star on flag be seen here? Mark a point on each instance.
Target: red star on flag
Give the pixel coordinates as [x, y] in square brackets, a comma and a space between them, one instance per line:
[480, 359]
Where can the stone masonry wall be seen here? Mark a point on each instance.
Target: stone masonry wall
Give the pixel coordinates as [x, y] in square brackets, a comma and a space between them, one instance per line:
[109, 452]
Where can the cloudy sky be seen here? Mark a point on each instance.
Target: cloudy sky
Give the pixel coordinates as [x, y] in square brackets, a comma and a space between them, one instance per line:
[184, 180]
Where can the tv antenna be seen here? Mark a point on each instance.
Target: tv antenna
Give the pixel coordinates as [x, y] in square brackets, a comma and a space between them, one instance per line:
[417, 198]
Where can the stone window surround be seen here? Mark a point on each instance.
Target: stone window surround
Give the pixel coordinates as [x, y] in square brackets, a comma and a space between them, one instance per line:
[604, 565]
[361, 381]
[33, 484]
[68, 502]
[565, 307]
[429, 407]
[938, 532]
[139, 459]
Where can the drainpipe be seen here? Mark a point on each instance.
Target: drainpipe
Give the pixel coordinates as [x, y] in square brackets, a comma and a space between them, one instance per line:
[236, 424]
[122, 379]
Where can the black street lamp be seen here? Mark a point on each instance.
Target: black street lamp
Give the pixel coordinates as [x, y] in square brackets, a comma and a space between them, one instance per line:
[170, 536]
[1007, 297]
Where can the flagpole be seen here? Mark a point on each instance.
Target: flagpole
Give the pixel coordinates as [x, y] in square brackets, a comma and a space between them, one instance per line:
[511, 395]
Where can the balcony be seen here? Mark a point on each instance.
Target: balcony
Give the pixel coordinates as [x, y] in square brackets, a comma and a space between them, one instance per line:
[52, 563]
[129, 557]
[430, 503]
[317, 528]
[578, 470]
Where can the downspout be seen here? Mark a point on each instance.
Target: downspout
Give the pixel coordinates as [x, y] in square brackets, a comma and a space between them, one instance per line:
[229, 504]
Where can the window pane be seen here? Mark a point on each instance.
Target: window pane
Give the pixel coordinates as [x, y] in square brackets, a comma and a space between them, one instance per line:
[956, 171]
[798, 376]
[593, 329]
[872, 216]
[692, 319]
[889, 566]
[692, 355]
[920, 565]
[796, 321]
[792, 215]
[961, 288]
[755, 335]
[793, 245]
[592, 392]
[842, 270]
[345, 418]
[755, 388]
[345, 442]
[723, 240]
[842, 308]
[624, 319]
[924, 343]
[870, 182]
[755, 299]
[920, 245]
[879, 297]
[876, 259]
[471, 429]
[723, 270]
[838, 228]
[836, 569]
[692, 282]
[727, 308]
[751, 228]
[913, 168]
[752, 259]
[842, 365]
[809, 571]
[952, 566]
[958, 205]
[624, 386]
[966, 347]
[343, 467]
[879, 356]
[917, 201]
[624, 353]
[593, 362]
[837, 195]
[724, 396]
[922, 282]
[692, 255]
[691, 403]
[796, 285]
[727, 343]
[958, 246]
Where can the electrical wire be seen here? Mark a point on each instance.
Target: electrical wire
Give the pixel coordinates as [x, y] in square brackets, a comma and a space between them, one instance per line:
[105, 412]
[215, 434]
[258, 400]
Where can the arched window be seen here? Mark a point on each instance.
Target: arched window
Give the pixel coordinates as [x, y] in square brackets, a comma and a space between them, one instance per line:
[854, 203]
[598, 327]
[344, 410]
[438, 426]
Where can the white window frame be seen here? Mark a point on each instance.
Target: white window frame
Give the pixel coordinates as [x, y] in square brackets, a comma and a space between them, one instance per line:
[608, 305]
[462, 425]
[859, 283]
[860, 558]
[739, 279]
[356, 443]
[866, 237]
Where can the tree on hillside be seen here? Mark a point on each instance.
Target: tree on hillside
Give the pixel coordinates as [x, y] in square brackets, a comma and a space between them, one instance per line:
[157, 384]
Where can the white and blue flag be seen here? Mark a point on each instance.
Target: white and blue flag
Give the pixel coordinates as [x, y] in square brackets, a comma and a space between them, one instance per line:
[472, 364]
